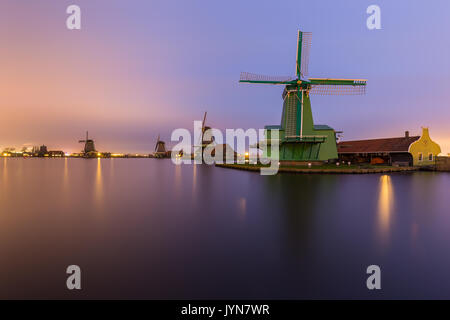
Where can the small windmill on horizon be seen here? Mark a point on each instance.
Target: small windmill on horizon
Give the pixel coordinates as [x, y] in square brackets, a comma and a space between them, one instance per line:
[299, 138]
[89, 147]
[160, 148]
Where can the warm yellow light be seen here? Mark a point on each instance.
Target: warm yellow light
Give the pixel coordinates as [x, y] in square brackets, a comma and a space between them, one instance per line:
[99, 154]
[246, 154]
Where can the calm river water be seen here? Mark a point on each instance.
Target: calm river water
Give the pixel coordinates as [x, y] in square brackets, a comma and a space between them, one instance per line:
[145, 228]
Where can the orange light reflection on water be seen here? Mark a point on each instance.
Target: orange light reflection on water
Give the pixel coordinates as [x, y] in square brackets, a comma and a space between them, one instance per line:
[385, 208]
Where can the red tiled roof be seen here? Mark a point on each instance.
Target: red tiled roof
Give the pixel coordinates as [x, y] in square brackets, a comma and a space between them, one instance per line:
[377, 145]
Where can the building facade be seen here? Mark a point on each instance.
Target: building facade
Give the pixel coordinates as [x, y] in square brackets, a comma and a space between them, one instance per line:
[401, 151]
[424, 151]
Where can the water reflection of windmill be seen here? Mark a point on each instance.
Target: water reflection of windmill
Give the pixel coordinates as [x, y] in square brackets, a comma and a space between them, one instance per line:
[160, 149]
[89, 147]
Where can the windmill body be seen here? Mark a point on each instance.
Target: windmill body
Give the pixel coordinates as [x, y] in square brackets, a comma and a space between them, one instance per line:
[299, 138]
[160, 149]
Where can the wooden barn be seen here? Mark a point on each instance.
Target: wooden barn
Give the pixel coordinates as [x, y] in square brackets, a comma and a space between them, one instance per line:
[402, 151]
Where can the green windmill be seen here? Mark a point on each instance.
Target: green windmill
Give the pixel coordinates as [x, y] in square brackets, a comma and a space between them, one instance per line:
[299, 139]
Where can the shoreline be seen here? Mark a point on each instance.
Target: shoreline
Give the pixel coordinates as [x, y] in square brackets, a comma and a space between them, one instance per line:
[341, 170]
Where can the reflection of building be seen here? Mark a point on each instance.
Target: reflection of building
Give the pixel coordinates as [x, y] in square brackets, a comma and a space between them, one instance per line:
[403, 151]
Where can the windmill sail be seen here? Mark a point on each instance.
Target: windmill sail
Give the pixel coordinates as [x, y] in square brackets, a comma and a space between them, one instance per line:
[204, 121]
[205, 138]
[338, 90]
[157, 142]
[322, 86]
[258, 78]
[200, 142]
[303, 49]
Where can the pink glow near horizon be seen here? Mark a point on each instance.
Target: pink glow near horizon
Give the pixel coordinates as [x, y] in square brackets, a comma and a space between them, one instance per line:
[136, 70]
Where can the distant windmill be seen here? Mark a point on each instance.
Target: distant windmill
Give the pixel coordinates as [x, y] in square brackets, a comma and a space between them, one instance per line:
[300, 139]
[205, 128]
[203, 141]
[160, 148]
[89, 147]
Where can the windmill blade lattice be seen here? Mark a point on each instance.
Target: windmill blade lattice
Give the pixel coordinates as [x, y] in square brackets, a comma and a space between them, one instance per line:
[338, 90]
[306, 48]
[253, 77]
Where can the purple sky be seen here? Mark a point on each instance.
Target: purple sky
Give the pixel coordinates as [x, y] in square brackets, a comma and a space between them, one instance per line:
[139, 68]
